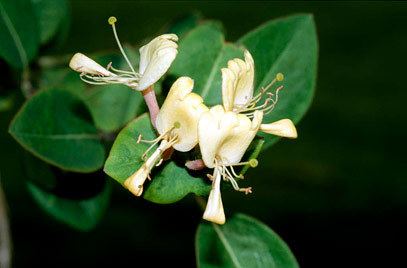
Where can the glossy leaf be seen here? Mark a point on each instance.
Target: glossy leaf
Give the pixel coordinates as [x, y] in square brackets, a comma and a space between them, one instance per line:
[242, 242]
[202, 61]
[290, 46]
[170, 183]
[80, 214]
[112, 106]
[18, 32]
[173, 183]
[52, 126]
[50, 15]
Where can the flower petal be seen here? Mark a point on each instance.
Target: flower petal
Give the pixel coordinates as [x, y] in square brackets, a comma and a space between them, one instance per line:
[241, 81]
[184, 108]
[84, 64]
[236, 143]
[214, 208]
[283, 128]
[155, 59]
[213, 127]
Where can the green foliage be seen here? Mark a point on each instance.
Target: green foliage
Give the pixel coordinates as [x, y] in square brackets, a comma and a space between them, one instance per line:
[52, 126]
[287, 45]
[81, 211]
[51, 15]
[18, 32]
[80, 214]
[169, 185]
[173, 183]
[242, 242]
[202, 61]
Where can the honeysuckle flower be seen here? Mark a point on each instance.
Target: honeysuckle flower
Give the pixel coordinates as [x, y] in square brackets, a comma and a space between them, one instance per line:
[224, 137]
[177, 125]
[226, 131]
[155, 59]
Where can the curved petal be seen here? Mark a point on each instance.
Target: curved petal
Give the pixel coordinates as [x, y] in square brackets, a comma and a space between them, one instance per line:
[84, 64]
[213, 128]
[239, 80]
[283, 128]
[155, 59]
[184, 108]
[236, 143]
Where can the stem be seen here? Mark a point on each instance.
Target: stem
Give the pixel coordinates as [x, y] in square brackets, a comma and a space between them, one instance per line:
[26, 86]
[5, 240]
[151, 101]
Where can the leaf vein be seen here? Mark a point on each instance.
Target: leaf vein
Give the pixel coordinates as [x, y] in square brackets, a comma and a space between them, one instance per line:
[14, 36]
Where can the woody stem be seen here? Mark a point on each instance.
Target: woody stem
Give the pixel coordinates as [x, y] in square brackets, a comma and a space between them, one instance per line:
[151, 101]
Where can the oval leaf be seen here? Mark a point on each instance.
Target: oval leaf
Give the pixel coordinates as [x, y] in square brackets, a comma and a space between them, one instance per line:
[242, 242]
[51, 126]
[289, 46]
[173, 183]
[170, 183]
[18, 32]
[79, 214]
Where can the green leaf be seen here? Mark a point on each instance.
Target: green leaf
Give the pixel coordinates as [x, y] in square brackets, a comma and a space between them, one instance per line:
[290, 46]
[125, 156]
[50, 15]
[51, 125]
[173, 183]
[202, 61]
[112, 106]
[242, 242]
[80, 214]
[170, 183]
[78, 200]
[182, 26]
[18, 32]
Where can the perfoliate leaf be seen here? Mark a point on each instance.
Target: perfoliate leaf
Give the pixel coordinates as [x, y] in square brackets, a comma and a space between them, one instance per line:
[241, 242]
[52, 126]
[289, 46]
[18, 32]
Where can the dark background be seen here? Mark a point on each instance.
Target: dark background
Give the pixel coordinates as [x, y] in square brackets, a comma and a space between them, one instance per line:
[337, 195]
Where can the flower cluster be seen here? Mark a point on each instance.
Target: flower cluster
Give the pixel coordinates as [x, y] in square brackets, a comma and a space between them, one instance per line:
[223, 132]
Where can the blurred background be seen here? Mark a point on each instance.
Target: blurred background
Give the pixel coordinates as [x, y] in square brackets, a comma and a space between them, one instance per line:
[337, 195]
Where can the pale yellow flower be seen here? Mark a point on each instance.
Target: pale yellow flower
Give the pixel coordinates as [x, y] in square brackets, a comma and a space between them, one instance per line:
[177, 125]
[155, 59]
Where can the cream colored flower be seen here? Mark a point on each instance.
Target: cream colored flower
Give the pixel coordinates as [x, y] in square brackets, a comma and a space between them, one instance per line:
[177, 125]
[224, 137]
[155, 59]
[225, 132]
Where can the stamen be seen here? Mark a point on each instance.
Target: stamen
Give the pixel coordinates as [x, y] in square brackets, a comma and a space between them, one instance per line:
[159, 162]
[269, 102]
[240, 176]
[112, 21]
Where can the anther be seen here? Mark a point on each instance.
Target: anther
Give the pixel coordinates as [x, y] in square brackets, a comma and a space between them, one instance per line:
[112, 20]
[279, 77]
